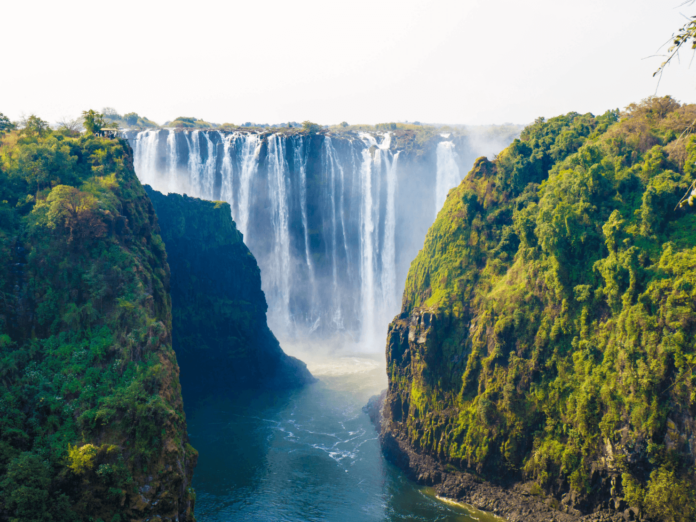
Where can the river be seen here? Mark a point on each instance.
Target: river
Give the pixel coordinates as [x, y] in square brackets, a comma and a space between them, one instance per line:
[306, 455]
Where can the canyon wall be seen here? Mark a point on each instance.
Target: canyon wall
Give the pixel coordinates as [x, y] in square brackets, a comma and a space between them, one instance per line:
[220, 335]
[548, 321]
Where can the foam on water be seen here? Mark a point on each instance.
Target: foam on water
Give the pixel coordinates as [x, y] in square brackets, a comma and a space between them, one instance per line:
[305, 455]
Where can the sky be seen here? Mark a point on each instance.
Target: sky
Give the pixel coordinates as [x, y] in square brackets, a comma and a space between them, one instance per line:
[438, 61]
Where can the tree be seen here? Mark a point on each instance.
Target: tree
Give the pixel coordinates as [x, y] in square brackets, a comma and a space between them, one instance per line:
[48, 159]
[70, 126]
[5, 124]
[685, 34]
[93, 121]
[35, 126]
[344, 124]
[75, 210]
[131, 118]
[110, 113]
[311, 127]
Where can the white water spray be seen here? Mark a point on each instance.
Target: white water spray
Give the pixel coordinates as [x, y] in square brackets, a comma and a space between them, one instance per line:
[447, 172]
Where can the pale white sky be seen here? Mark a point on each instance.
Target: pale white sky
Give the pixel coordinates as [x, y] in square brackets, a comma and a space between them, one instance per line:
[448, 61]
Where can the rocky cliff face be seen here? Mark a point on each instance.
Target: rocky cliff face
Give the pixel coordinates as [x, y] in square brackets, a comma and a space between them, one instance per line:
[92, 425]
[221, 338]
[546, 335]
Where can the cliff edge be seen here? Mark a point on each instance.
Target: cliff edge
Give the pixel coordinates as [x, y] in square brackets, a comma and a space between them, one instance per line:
[221, 337]
[546, 340]
[92, 425]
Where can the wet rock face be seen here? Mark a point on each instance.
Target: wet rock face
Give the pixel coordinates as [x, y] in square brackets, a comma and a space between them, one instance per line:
[220, 335]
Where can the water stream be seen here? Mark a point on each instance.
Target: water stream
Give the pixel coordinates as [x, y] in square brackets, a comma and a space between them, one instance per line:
[307, 455]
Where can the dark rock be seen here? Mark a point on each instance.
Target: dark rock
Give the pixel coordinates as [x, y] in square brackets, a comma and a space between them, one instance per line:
[220, 334]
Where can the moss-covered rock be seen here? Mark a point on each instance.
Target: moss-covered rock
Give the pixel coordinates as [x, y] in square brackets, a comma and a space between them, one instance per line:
[221, 337]
[547, 330]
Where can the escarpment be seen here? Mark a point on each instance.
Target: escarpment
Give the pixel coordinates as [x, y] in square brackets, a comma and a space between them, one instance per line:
[92, 425]
[221, 337]
[546, 340]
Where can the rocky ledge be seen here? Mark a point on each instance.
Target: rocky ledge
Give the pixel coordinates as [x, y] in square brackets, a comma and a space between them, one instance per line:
[520, 502]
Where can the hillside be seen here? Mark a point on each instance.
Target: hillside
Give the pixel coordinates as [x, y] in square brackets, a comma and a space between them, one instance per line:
[221, 337]
[547, 329]
[91, 417]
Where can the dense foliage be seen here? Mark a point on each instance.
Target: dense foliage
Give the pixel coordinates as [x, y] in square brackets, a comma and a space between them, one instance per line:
[548, 323]
[91, 418]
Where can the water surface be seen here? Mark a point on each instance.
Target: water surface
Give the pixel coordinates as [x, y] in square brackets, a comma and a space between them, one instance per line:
[306, 455]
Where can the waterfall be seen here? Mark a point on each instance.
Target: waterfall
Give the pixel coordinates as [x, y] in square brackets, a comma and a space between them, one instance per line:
[145, 156]
[332, 220]
[280, 273]
[194, 163]
[330, 163]
[208, 175]
[227, 171]
[447, 172]
[251, 147]
[367, 229]
[300, 161]
[389, 292]
[173, 158]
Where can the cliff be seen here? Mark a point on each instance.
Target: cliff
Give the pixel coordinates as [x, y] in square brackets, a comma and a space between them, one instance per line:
[221, 338]
[91, 417]
[546, 340]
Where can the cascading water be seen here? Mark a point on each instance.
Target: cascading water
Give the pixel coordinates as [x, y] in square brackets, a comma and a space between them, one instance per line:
[389, 291]
[333, 221]
[208, 174]
[281, 264]
[330, 166]
[194, 163]
[249, 163]
[447, 172]
[145, 157]
[367, 229]
[173, 159]
[227, 171]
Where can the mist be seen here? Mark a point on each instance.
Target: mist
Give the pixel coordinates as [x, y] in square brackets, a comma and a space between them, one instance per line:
[333, 219]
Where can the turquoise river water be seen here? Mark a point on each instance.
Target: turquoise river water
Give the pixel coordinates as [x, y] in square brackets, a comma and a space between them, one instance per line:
[306, 455]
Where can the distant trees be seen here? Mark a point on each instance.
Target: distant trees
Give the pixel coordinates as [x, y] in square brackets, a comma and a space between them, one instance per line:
[344, 124]
[110, 113]
[70, 126]
[93, 121]
[35, 126]
[311, 127]
[131, 118]
[5, 124]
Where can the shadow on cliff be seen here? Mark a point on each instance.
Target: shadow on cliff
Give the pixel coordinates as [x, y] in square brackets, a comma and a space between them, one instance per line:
[220, 335]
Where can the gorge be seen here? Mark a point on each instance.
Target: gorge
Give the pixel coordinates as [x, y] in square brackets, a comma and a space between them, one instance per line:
[334, 219]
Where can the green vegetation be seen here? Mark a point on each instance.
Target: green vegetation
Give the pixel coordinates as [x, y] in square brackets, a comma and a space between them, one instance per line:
[5, 124]
[190, 123]
[91, 418]
[549, 317]
[310, 127]
[130, 120]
